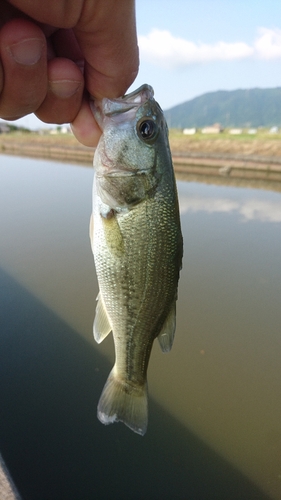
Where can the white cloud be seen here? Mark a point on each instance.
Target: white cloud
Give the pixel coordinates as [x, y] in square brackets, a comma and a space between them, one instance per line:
[268, 44]
[261, 210]
[253, 209]
[162, 48]
[210, 205]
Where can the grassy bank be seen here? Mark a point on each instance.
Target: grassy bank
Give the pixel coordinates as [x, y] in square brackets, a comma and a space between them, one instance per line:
[262, 144]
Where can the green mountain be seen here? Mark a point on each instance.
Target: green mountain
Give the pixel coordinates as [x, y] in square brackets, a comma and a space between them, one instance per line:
[235, 108]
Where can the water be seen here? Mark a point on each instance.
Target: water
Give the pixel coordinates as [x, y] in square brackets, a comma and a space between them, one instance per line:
[214, 409]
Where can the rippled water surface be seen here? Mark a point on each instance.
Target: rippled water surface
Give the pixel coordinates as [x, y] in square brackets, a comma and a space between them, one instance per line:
[215, 400]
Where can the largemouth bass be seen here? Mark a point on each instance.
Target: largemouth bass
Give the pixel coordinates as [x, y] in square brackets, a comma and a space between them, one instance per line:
[137, 245]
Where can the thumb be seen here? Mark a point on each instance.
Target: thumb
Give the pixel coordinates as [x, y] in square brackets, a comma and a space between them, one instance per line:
[106, 33]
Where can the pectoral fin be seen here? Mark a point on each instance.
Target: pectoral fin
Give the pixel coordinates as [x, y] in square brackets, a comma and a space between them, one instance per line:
[113, 235]
[102, 326]
[166, 336]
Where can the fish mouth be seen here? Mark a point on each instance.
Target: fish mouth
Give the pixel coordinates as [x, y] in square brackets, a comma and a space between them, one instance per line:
[122, 172]
[110, 169]
[143, 90]
[139, 96]
[125, 173]
[129, 102]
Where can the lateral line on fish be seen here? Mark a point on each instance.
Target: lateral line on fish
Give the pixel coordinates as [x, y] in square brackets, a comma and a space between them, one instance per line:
[147, 219]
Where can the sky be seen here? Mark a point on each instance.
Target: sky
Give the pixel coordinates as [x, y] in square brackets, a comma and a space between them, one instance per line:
[188, 48]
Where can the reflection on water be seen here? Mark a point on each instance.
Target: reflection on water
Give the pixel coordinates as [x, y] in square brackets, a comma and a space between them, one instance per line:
[214, 426]
[249, 209]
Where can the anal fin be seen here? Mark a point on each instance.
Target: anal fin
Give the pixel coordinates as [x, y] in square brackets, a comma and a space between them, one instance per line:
[102, 325]
[167, 334]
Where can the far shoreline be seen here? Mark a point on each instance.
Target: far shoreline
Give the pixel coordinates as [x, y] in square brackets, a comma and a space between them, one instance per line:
[220, 157]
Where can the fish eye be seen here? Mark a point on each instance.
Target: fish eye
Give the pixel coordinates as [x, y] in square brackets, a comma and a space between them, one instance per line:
[147, 130]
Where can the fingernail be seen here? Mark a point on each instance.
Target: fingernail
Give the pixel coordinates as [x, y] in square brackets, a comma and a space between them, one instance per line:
[65, 88]
[28, 51]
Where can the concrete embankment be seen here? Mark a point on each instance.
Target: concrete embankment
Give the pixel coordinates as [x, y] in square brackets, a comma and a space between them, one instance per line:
[254, 167]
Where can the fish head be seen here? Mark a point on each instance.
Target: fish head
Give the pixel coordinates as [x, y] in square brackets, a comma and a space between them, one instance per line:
[125, 161]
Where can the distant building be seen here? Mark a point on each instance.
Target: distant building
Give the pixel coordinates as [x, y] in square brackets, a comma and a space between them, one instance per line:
[213, 129]
[273, 130]
[4, 128]
[235, 131]
[64, 129]
[43, 131]
[252, 131]
[189, 131]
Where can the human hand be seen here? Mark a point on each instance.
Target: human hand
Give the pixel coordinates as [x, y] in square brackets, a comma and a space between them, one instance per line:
[54, 55]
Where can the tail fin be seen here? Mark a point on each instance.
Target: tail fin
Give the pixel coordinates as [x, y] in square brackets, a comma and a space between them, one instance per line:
[125, 403]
